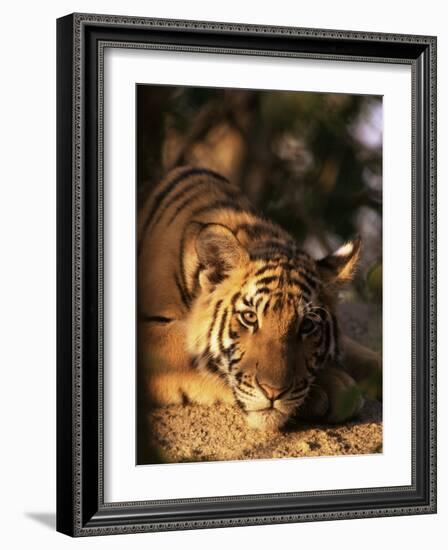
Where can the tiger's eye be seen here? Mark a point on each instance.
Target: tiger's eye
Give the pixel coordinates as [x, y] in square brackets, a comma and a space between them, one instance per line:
[249, 317]
[307, 326]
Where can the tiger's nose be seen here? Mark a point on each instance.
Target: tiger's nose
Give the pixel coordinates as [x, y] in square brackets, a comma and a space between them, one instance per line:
[271, 392]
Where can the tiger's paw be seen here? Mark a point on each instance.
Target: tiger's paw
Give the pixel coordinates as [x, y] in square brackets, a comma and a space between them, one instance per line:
[335, 397]
[173, 388]
[364, 366]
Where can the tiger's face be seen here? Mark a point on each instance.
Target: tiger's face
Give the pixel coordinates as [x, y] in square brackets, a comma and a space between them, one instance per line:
[261, 324]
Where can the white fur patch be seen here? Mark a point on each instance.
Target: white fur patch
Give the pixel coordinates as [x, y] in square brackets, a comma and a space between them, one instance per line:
[344, 250]
[271, 420]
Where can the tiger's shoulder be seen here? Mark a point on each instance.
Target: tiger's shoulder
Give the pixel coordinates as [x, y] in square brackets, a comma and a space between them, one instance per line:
[185, 202]
[197, 194]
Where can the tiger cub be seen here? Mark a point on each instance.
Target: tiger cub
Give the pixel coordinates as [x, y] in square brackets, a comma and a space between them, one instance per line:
[231, 310]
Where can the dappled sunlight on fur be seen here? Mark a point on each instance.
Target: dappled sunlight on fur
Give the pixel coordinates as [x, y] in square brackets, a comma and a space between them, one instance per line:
[174, 388]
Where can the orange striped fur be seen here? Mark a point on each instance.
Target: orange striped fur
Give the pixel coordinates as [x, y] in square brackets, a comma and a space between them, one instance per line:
[230, 308]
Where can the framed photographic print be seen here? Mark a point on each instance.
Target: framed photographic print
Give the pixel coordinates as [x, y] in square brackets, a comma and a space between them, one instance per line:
[246, 274]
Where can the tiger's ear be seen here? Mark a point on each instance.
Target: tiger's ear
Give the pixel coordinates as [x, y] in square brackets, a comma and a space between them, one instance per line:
[219, 252]
[340, 266]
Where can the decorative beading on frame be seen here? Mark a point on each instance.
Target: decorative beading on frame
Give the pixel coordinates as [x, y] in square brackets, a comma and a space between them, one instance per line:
[157, 23]
[79, 21]
[433, 272]
[252, 521]
[76, 277]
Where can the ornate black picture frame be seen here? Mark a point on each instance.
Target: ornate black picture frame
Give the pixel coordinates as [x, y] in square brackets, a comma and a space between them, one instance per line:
[81, 509]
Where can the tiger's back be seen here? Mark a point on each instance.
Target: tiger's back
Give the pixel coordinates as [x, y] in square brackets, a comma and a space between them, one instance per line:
[189, 195]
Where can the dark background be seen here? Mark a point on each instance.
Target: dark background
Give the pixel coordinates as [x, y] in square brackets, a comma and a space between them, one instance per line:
[310, 161]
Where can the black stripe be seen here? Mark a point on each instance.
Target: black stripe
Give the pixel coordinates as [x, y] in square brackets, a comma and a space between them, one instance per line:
[182, 293]
[221, 205]
[306, 294]
[308, 278]
[196, 285]
[288, 266]
[282, 279]
[155, 319]
[185, 190]
[221, 332]
[235, 361]
[267, 280]
[240, 403]
[288, 249]
[300, 283]
[183, 205]
[215, 314]
[273, 251]
[184, 397]
[265, 268]
[278, 304]
[266, 305]
[235, 298]
[194, 362]
[213, 367]
[247, 302]
[239, 376]
[258, 230]
[183, 281]
[266, 255]
[231, 349]
[303, 386]
[162, 194]
[246, 392]
[230, 194]
[263, 290]
[158, 200]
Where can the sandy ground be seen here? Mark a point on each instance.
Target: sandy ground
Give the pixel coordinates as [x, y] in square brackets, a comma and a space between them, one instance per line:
[190, 433]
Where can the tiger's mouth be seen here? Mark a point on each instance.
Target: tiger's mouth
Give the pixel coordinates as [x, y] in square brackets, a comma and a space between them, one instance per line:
[267, 419]
[272, 414]
[271, 417]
